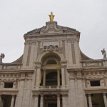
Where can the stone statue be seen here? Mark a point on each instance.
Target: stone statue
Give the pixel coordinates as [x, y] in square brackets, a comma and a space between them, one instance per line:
[51, 16]
[1, 57]
[104, 53]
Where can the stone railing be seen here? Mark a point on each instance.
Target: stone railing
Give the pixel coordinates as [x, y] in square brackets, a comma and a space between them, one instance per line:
[50, 87]
[94, 63]
[50, 90]
[7, 66]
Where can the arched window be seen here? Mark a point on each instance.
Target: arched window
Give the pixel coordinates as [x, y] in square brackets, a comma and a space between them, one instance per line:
[51, 70]
[51, 78]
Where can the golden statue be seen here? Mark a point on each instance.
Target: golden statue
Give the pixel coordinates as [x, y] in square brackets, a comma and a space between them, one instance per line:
[51, 16]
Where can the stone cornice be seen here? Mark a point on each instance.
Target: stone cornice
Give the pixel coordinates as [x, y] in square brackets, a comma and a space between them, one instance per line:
[94, 90]
[74, 69]
[51, 35]
[8, 91]
[94, 69]
[9, 64]
[87, 69]
[10, 71]
[26, 70]
[52, 91]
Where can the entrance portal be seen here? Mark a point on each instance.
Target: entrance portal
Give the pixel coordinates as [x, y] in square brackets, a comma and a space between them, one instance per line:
[50, 101]
[97, 100]
[52, 105]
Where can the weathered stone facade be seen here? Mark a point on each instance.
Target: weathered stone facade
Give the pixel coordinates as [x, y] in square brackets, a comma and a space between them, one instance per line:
[53, 72]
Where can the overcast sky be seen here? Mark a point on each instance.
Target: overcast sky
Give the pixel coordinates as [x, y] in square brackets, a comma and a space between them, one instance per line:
[20, 16]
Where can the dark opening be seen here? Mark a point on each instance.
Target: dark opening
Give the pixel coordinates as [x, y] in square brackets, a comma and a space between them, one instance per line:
[51, 78]
[51, 61]
[8, 85]
[52, 105]
[95, 83]
[39, 101]
[6, 100]
[97, 100]
[50, 101]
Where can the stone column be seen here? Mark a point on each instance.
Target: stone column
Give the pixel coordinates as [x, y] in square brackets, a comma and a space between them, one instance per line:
[44, 78]
[80, 93]
[86, 103]
[58, 77]
[105, 99]
[89, 99]
[36, 101]
[38, 77]
[41, 101]
[19, 97]
[72, 90]
[63, 76]
[58, 100]
[1, 102]
[12, 101]
[65, 100]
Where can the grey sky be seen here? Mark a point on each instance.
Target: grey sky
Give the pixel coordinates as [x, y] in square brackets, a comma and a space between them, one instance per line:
[20, 16]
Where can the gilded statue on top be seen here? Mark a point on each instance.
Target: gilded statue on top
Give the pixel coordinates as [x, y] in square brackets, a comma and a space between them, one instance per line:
[51, 16]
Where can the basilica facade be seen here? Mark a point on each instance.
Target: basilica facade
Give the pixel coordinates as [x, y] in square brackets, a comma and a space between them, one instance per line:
[53, 72]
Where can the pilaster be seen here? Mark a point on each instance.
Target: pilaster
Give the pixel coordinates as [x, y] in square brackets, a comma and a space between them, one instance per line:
[72, 90]
[90, 100]
[63, 76]
[12, 101]
[65, 100]
[19, 97]
[35, 101]
[58, 100]
[80, 90]
[105, 99]
[41, 101]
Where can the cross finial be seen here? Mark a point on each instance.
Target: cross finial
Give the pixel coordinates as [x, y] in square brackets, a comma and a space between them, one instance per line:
[51, 16]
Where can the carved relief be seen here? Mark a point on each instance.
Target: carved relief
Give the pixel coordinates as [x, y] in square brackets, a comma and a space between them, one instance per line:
[94, 74]
[72, 76]
[51, 48]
